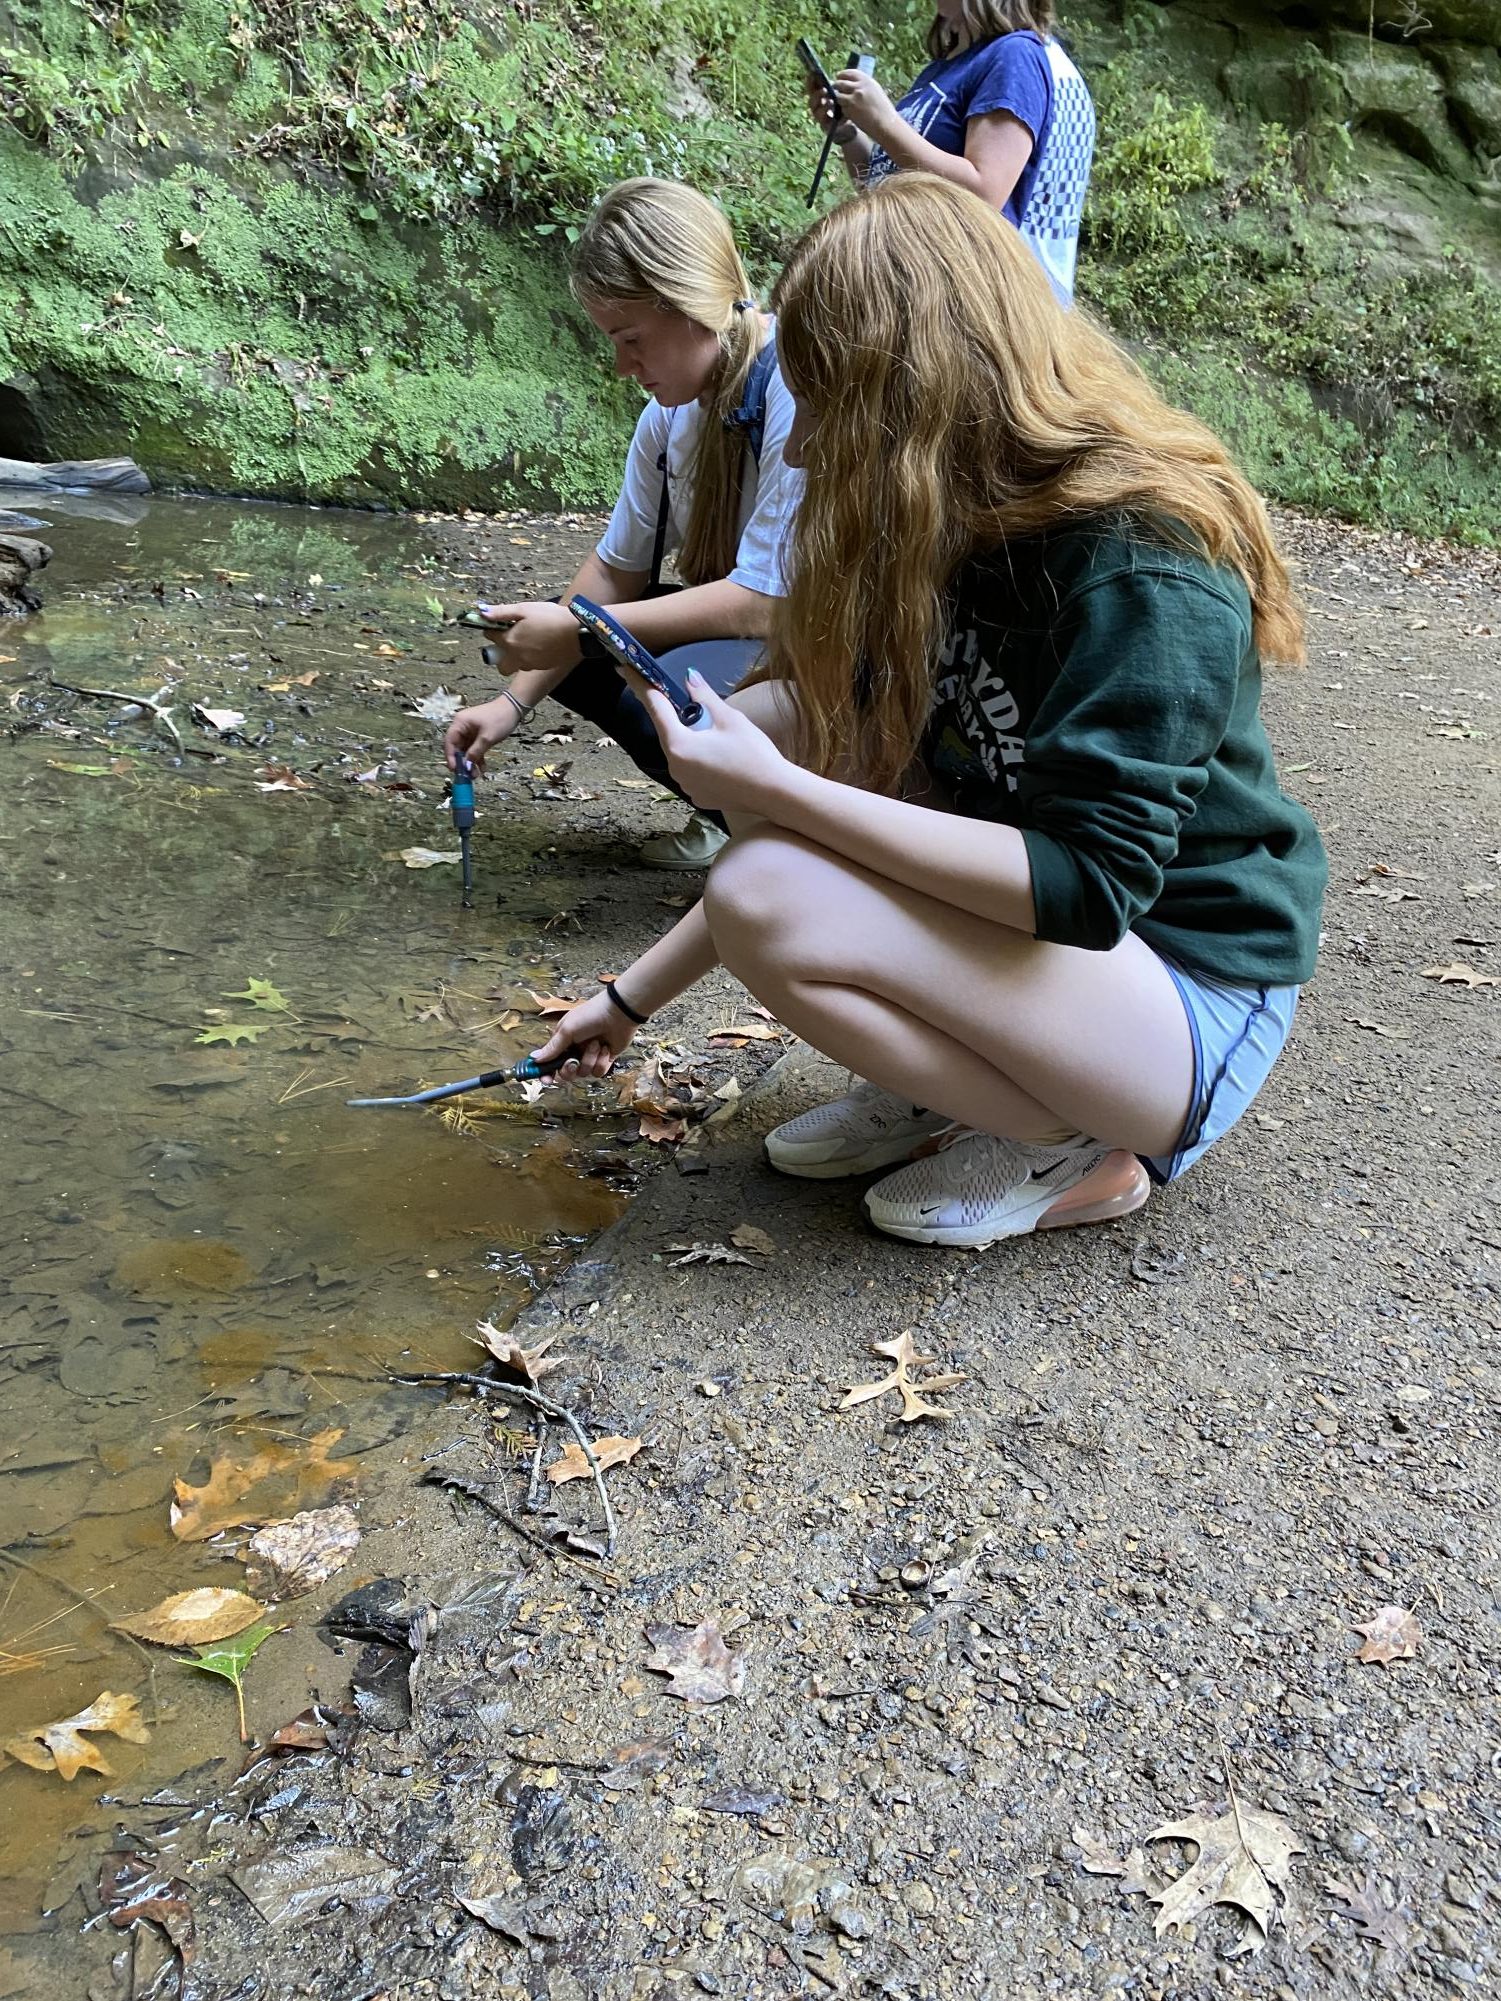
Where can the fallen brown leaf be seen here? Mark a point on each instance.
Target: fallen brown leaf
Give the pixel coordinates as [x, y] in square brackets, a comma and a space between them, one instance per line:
[193, 1618]
[1373, 1917]
[1097, 1857]
[293, 1557]
[1391, 1634]
[905, 1357]
[532, 1364]
[700, 1666]
[273, 1482]
[1378, 1028]
[608, 1452]
[661, 1131]
[748, 1031]
[62, 1748]
[1458, 974]
[280, 778]
[551, 1003]
[751, 1237]
[707, 1254]
[1243, 1859]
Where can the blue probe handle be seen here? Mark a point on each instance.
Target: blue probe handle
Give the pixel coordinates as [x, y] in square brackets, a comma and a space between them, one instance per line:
[461, 796]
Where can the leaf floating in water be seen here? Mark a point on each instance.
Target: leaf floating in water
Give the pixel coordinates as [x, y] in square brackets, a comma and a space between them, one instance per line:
[229, 1660]
[234, 1032]
[193, 1618]
[270, 1484]
[62, 1747]
[294, 1557]
[261, 994]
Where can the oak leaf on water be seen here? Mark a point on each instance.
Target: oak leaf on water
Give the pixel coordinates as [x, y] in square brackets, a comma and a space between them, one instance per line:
[700, 1667]
[1243, 1860]
[608, 1452]
[193, 1618]
[63, 1748]
[267, 1485]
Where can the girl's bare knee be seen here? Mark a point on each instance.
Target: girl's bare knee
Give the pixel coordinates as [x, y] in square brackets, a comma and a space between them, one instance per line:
[771, 706]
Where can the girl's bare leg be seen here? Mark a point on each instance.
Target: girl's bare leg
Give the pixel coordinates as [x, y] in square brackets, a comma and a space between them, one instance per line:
[953, 1012]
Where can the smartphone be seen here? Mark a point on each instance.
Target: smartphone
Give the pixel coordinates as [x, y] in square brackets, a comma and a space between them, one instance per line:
[813, 66]
[629, 652]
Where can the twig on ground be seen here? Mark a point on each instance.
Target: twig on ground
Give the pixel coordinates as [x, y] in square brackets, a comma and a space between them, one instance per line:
[492, 1386]
[89, 1604]
[457, 1485]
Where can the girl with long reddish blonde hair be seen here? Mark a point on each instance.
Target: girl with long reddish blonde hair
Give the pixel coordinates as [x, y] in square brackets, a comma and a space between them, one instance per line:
[1009, 842]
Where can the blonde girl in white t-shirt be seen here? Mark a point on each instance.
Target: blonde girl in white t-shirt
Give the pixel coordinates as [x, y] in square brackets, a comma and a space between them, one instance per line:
[658, 273]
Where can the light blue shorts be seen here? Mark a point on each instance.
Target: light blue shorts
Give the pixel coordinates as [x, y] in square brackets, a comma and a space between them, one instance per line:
[1238, 1033]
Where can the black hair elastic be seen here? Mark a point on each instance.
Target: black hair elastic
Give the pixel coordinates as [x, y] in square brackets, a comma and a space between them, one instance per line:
[625, 1007]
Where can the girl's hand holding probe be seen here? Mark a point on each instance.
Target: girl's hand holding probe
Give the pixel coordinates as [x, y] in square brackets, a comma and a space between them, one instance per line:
[865, 104]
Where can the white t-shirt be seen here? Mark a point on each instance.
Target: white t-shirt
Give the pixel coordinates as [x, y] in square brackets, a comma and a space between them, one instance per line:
[769, 492]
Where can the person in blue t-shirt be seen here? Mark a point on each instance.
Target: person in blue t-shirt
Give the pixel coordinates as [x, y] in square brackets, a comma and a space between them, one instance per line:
[999, 110]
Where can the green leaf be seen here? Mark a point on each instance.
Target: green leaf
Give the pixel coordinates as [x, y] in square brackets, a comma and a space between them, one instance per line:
[435, 606]
[261, 994]
[229, 1659]
[234, 1032]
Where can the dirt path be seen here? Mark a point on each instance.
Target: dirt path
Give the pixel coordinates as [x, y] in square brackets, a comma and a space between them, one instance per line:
[1193, 1450]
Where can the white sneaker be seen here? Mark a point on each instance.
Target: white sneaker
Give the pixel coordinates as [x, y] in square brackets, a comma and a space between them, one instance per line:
[975, 1190]
[854, 1135]
[691, 847]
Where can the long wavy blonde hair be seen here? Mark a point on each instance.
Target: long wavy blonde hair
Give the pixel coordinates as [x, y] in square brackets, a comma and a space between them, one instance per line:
[660, 243]
[983, 20]
[952, 406]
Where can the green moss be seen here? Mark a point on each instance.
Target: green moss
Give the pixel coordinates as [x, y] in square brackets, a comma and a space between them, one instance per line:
[314, 247]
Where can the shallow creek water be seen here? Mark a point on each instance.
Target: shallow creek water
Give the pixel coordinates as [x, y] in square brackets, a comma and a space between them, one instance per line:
[203, 1250]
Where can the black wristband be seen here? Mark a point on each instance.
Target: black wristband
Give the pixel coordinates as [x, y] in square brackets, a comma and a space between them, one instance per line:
[625, 1007]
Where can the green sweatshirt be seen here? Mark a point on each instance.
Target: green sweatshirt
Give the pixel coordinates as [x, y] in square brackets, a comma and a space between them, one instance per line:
[1101, 693]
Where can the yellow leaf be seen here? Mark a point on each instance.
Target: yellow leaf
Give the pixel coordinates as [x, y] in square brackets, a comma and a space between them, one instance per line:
[273, 1482]
[61, 1748]
[607, 1451]
[193, 1618]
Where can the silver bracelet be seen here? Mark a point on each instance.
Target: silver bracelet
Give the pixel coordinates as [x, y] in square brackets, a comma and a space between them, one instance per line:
[526, 710]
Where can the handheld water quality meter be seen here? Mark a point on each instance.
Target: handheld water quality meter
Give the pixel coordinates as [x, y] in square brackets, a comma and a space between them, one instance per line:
[627, 651]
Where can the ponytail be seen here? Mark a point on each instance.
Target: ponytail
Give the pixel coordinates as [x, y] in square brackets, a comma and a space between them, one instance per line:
[667, 244]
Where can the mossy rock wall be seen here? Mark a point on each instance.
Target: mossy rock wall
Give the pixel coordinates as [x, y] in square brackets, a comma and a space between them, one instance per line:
[318, 251]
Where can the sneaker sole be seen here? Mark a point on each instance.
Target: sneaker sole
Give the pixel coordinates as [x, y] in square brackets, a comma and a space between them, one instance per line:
[893, 1154]
[1061, 1213]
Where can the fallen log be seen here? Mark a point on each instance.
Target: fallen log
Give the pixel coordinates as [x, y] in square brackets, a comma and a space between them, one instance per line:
[76, 475]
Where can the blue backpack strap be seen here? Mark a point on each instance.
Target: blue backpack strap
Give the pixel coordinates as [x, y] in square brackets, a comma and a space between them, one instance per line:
[751, 416]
